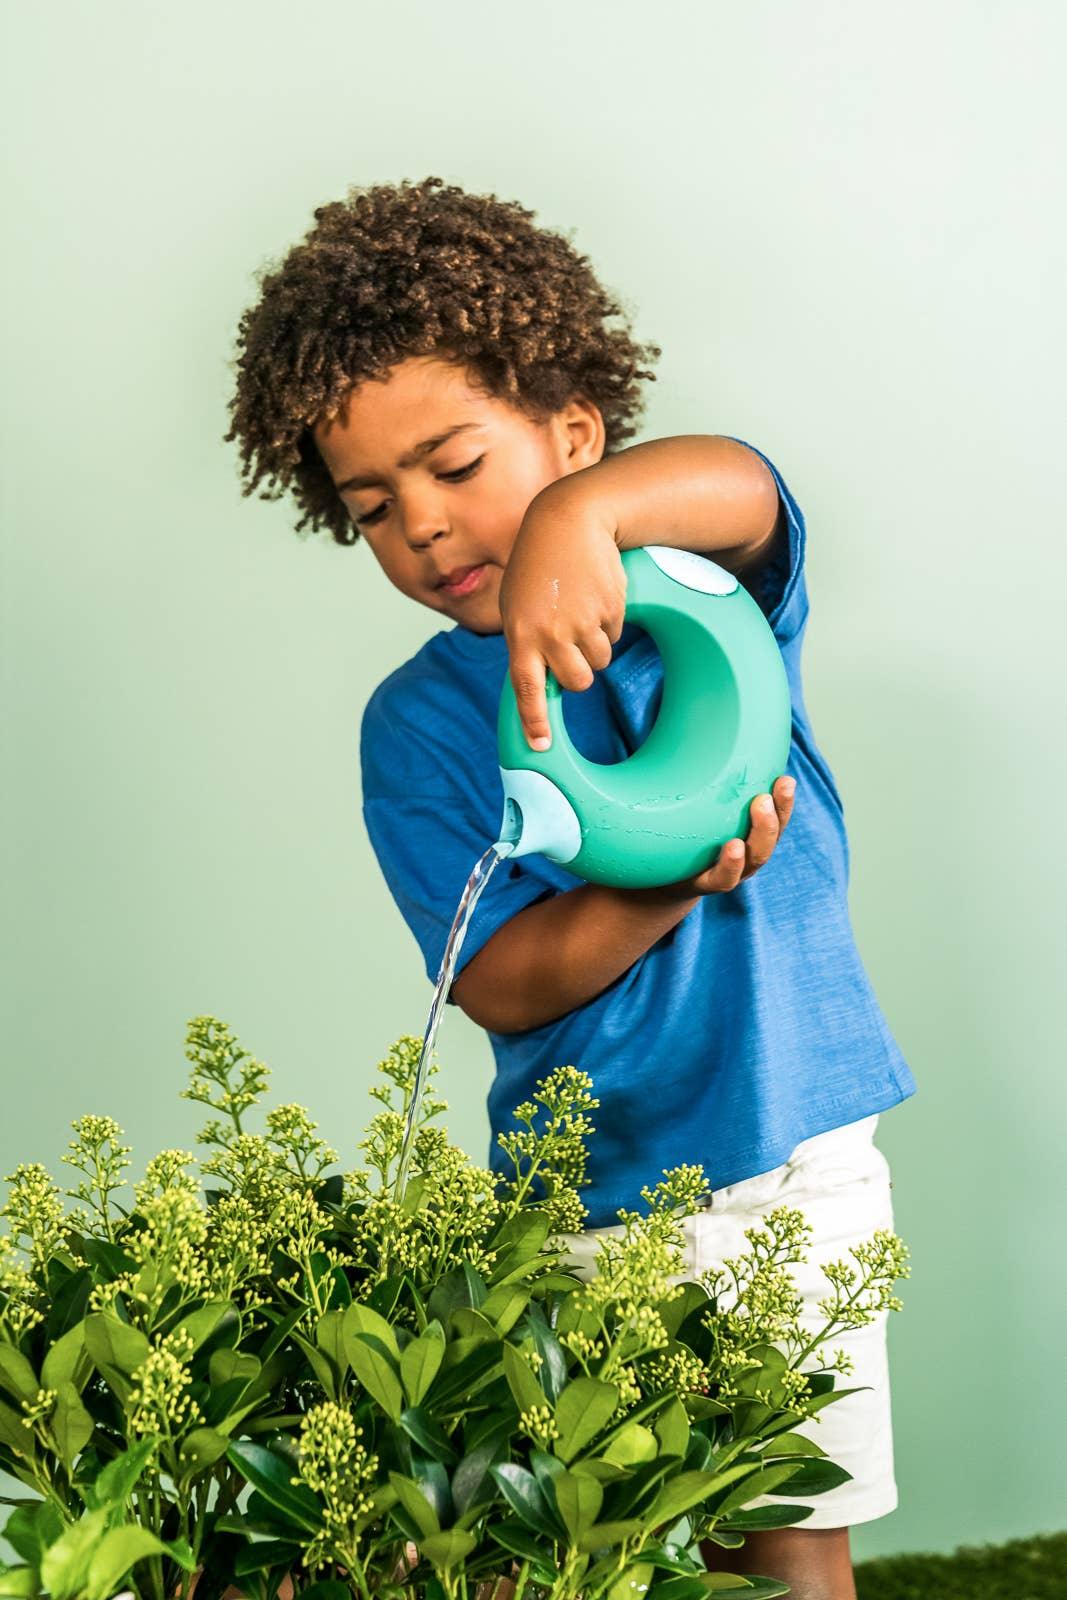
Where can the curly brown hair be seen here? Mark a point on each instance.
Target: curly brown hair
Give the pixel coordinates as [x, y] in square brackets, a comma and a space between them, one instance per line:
[395, 271]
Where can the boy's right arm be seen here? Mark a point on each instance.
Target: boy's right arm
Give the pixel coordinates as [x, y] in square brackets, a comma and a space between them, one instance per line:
[560, 953]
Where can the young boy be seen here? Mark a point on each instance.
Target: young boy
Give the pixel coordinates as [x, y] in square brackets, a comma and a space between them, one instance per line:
[432, 373]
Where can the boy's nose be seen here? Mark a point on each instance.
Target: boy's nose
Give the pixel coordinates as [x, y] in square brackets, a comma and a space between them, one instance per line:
[419, 539]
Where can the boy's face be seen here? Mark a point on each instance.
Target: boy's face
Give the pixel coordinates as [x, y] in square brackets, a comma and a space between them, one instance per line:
[431, 512]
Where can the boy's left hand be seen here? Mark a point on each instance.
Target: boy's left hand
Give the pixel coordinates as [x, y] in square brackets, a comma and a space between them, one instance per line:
[562, 600]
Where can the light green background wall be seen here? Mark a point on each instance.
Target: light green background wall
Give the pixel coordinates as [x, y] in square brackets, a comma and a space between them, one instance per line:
[842, 225]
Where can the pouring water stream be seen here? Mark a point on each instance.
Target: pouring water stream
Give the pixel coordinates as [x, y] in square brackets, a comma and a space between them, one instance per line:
[476, 885]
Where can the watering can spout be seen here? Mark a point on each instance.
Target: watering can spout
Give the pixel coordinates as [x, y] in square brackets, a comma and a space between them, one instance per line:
[537, 817]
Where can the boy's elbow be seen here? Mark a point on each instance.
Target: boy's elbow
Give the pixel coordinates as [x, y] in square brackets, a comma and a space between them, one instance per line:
[484, 1000]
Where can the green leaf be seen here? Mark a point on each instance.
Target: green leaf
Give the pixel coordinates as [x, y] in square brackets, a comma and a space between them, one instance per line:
[553, 1371]
[114, 1483]
[419, 1366]
[578, 1501]
[72, 1426]
[724, 1536]
[181, 1551]
[505, 1306]
[384, 1296]
[517, 1538]
[32, 1527]
[65, 1564]
[18, 1439]
[327, 1589]
[360, 1319]
[370, 1362]
[201, 1448]
[674, 1312]
[116, 1344]
[420, 1426]
[633, 1445]
[341, 1293]
[283, 1326]
[16, 1374]
[792, 1444]
[270, 1474]
[329, 1336]
[687, 1489]
[766, 1482]
[602, 1535]
[545, 1469]
[633, 1583]
[471, 1481]
[683, 1587]
[109, 1259]
[672, 1429]
[460, 1287]
[672, 1556]
[415, 1504]
[582, 1410]
[519, 1240]
[767, 1376]
[460, 1384]
[731, 1586]
[526, 1391]
[267, 1553]
[522, 1492]
[812, 1477]
[702, 1406]
[202, 1323]
[19, 1583]
[447, 1549]
[753, 1518]
[113, 1557]
[470, 1324]
[602, 1471]
[320, 1364]
[67, 1360]
[226, 1364]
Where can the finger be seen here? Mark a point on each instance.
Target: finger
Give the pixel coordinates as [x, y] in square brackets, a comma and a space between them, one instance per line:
[784, 791]
[571, 668]
[726, 872]
[527, 669]
[762, 833]
[596, 647]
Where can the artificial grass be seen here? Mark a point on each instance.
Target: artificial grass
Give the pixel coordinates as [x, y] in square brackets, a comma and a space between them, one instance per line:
[1024, 1569]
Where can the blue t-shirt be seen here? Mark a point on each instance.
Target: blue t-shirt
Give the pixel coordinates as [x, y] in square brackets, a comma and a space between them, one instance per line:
[750, 1026]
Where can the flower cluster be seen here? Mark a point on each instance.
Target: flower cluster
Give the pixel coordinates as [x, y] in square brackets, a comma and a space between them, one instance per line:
[95, 1152]
[885, 1258]
[160, 1403]
[334, 1464]
[678, 1369]
[237, 1252]
[35, 1210]
[552, 1155]
[539, 1425]
[19, 1293]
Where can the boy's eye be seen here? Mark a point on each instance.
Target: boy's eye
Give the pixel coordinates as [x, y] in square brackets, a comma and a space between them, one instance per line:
[458, 476]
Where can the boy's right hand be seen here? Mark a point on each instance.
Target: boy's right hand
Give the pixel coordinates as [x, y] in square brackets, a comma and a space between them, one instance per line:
[739, 859]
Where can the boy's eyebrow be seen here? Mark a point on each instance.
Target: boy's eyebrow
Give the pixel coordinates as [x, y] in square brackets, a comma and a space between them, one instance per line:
[365, 482]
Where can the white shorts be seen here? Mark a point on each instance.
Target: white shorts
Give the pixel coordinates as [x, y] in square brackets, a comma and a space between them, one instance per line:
[840, 1181]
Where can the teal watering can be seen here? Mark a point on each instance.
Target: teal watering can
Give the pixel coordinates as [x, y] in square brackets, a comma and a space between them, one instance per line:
[722, 737]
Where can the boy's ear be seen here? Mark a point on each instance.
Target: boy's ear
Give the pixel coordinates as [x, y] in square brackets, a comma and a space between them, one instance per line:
[581, 432]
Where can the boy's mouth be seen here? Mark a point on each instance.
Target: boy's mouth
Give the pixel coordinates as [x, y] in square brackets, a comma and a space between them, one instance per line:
[463, 581]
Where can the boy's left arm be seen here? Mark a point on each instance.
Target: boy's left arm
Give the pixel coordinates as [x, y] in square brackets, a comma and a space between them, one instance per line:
[563, 595]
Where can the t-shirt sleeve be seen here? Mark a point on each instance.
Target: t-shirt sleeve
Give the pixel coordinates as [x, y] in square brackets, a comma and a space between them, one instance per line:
[428, 829]
[780, 587]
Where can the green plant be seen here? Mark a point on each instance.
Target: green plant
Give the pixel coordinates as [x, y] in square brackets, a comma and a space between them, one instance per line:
[296, 1373]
